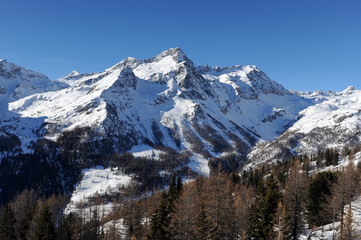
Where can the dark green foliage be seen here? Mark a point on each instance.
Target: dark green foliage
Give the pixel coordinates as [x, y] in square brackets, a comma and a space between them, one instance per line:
[227, 164]
[327, 157]
[7, 224]
[9, 142]
[318, 193]
[146, 171]
[44, 226]
[331, 157]
[161, 219]
[64, 231]
[46, 170]
[264, 209]
[133, 216]
[92, 228]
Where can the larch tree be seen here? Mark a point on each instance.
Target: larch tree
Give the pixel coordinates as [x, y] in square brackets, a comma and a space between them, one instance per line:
[282, 225]
[293, 198]
[348, 232]
[344, 192]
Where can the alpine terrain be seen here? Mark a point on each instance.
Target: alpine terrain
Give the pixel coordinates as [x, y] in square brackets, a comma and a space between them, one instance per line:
[139, 123]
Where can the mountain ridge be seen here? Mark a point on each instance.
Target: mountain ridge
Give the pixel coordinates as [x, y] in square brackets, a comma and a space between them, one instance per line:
[165, 101]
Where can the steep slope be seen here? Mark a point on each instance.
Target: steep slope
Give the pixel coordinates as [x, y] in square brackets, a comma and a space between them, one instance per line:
[333, 122]
[16, 82]
[166, 101]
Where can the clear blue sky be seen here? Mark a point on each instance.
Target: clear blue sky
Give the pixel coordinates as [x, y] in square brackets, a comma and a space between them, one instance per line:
[302, 44]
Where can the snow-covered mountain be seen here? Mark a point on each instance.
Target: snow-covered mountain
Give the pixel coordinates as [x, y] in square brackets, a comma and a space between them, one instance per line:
[332, 122]
[165, 101]
[16, 82]
[168, 102]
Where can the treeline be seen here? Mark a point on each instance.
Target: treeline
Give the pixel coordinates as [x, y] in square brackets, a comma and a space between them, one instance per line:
[279, 201]
[55, 167]
[47, 170]
[223, 206]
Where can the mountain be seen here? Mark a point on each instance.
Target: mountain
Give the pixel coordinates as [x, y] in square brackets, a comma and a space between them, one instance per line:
[129, 130]
[332, 122]
[16, 82]
[165, 102]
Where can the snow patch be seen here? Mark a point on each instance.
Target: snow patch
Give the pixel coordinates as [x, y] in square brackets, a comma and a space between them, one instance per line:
[98, 180]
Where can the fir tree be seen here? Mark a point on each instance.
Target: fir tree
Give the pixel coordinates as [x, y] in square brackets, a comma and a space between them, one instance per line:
[64, 231]
[7, 223]
[318, 192]
[160, 221]
[206, 229]
[44, 227]
[264, 209]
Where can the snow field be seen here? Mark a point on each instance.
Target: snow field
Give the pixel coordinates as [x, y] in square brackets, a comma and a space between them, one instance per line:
[98, 180]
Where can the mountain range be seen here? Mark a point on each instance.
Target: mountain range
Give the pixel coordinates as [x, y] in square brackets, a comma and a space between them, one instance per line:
[167, 103]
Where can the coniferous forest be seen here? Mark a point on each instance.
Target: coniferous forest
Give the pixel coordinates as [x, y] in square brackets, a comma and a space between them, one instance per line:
[273, 201]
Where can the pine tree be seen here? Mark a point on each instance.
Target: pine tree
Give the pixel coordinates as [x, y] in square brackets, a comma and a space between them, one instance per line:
[160, 221]
[205, 227]
[44, 226]
[24, 206]
[318, 192]
[7, 224]
[92, 228]
[264, 209]
[64, 230]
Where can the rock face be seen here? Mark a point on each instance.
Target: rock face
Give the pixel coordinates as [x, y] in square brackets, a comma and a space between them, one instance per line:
[168, 102]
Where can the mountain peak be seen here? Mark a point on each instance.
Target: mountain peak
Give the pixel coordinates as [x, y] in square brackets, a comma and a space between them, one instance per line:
[74, 72]
[349, 89]
[177, 54]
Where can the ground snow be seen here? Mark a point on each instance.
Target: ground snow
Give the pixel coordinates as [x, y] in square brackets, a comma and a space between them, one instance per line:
[327, 232]
[98, 180]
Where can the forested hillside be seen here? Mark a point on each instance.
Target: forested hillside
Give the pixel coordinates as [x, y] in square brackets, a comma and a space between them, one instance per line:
[288, 200]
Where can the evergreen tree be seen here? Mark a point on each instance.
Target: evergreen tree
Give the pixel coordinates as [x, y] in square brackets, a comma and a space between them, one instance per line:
[44, 226]
[160, 221]
[318, 193]
[264, 209]
[24, 206]
[205, 227]
[64, 230]
[92, 228]
[7, 224]
[133, 216]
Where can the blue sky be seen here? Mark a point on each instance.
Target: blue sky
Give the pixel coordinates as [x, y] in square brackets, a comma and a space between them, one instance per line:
[304, 45]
